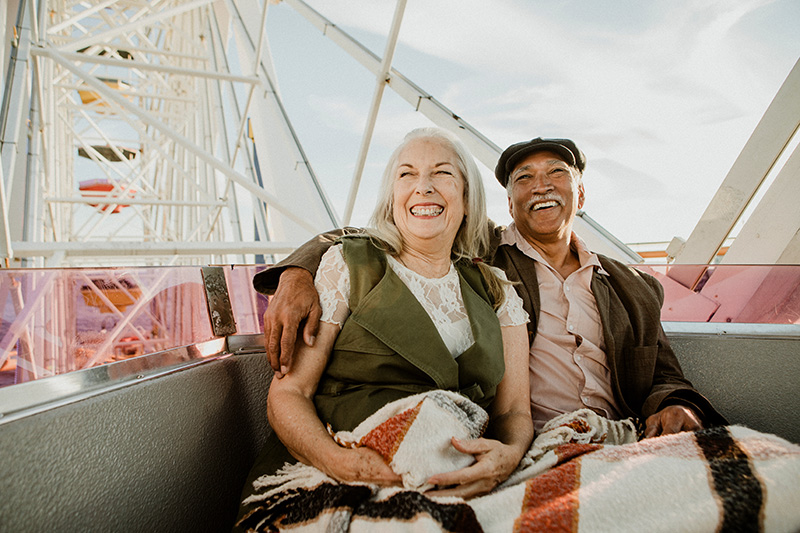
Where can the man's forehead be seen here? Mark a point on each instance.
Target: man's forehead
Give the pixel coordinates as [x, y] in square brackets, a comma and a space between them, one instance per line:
[547, 157]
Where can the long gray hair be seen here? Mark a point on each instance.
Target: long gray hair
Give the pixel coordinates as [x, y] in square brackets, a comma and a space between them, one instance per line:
[472, 238]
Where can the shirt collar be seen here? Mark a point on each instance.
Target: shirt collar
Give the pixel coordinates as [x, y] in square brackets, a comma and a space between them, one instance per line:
[512, 237]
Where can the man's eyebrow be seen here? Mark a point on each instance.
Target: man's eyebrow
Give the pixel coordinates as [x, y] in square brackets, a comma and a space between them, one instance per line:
[549, 162]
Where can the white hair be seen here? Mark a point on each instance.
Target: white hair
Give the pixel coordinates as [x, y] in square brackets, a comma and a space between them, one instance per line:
[472, 238]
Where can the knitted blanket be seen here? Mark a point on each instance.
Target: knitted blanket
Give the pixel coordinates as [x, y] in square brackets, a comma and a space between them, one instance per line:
[582, 473]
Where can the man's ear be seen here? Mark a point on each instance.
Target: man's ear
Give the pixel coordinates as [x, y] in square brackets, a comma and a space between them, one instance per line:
[510, 208]
[581, 195]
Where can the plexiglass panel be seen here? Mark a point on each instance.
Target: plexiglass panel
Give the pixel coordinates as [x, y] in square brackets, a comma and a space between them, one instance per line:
[743, 294]
[61, 320]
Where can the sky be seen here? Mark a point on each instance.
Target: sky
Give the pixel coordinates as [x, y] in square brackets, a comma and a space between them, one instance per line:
[660, 96]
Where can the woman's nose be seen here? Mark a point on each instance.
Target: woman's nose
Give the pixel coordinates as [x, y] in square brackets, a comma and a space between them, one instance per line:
[424, 185]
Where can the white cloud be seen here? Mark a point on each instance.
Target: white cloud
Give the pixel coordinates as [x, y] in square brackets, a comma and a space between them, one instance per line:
[661, 96]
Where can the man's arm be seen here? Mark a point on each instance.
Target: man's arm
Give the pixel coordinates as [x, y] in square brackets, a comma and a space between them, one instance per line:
[307, 257]
[294, 300]
[673, 403]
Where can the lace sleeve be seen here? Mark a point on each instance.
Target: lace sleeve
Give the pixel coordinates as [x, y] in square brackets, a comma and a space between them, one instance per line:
[333, 285]
[511, 312]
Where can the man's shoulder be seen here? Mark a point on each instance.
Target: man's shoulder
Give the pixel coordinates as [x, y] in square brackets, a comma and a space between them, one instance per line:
[629, 276]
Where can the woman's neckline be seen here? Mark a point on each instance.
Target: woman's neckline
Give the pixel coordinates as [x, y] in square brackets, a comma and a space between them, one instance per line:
[396, 260]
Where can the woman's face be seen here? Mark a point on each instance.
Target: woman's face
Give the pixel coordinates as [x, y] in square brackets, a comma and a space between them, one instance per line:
[428, 194]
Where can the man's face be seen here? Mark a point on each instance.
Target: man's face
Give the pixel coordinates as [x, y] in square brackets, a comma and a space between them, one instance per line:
[545, 195]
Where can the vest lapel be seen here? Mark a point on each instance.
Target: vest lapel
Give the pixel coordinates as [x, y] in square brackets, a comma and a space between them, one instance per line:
[396, 318]
[487, 335]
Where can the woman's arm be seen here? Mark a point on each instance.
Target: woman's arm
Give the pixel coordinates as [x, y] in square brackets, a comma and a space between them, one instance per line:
[292, 415]
[510, 425]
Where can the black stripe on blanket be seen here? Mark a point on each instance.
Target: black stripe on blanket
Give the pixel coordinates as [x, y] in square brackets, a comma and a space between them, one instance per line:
[305, 506]
[735, 482]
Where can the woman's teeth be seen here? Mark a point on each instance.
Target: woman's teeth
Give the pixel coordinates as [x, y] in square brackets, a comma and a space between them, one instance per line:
[426, 210]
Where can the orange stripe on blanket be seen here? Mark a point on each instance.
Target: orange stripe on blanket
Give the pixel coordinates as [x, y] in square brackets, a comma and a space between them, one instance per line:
[387, 437]
[551, 501]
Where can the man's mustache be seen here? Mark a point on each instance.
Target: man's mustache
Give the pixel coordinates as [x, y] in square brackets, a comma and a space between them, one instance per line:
[549, 197]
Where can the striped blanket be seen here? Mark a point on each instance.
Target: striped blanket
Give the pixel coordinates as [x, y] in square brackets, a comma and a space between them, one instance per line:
[582, 473]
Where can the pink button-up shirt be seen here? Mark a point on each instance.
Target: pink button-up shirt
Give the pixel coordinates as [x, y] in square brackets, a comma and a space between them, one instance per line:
[568, 367]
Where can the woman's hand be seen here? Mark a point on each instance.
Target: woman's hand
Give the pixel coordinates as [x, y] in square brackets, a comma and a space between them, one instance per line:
[360, 465]
[495, 461]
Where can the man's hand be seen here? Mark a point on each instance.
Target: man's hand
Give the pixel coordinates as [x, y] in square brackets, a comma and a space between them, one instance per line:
[672, 419]
[295, 300]
[494, 463]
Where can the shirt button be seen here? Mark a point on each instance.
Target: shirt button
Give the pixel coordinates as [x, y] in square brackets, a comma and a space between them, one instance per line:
[578, 358]
[571, 327]
[566, 288]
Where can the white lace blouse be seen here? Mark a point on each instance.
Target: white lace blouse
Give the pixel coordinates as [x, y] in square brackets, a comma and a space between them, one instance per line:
[440, 297]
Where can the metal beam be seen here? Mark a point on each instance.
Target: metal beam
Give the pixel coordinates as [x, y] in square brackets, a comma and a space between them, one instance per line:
[149, 249]
[106, 36]
[179, 139]
[104, 198]
[138, 65]
[762, 150]
[6, 249]
[380, 84]
[483, 149]
[772, 226]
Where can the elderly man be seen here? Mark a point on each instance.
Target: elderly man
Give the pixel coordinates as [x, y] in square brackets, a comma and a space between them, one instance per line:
[595, 334]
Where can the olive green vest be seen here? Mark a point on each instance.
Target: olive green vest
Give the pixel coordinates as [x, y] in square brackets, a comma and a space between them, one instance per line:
[389, 348]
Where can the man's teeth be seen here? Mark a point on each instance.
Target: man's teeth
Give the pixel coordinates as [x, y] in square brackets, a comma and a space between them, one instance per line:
[543, 205]
[426, 210]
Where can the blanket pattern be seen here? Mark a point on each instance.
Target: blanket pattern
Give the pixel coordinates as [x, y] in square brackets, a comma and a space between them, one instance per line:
[582, 473]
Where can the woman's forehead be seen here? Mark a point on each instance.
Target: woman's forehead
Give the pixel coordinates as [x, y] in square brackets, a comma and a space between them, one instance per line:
[427, 150]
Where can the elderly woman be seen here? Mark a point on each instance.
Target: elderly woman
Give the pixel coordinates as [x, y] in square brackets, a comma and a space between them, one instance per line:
[407, 310]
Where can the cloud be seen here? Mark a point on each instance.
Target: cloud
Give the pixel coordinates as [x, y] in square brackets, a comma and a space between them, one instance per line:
[661, 96]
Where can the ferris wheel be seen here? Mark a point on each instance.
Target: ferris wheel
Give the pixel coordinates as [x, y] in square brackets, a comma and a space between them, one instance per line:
[153, 132]
[149, 133]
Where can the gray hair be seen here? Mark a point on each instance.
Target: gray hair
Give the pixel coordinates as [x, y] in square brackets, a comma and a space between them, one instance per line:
[472, 239]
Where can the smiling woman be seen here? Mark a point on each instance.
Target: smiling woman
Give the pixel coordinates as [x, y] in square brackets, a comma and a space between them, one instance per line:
[428, 204]
[405, 310]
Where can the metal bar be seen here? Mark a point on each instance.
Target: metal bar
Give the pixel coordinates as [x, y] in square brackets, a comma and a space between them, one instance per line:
[6, 249]
[153, 249]
[179, 139]
[273, 90]
[80, 16]
[219, 301]
[773, 225]
[108, 35]
[256, 63]
[13, 104]
[380, 84]
[762, 150]
[92, 198]
[138, 65]
[31, 398]
[483, 149]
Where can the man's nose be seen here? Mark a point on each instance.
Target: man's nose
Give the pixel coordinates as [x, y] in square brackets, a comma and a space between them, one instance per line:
[541, 182]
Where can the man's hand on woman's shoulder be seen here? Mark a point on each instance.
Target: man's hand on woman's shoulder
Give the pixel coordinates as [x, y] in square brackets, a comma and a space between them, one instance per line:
[295, 300]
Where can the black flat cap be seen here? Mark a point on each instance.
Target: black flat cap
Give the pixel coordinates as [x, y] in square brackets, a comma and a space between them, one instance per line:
[517, 152]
